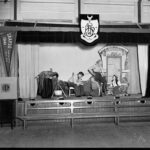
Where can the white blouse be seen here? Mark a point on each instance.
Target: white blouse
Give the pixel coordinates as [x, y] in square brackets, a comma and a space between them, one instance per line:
[75, 80]
[114, 84]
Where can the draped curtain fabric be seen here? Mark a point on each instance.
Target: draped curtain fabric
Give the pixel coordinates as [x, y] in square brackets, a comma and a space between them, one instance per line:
[143, 67]
[148, 78]
[133, 75]
[28, 69]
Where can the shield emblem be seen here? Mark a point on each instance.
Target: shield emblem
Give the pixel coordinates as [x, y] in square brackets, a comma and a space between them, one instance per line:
[89, 25]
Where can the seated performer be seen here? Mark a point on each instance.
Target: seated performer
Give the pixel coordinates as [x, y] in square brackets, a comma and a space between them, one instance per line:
[124, 86]
[77, 82]
[96, 72]
[115, 84]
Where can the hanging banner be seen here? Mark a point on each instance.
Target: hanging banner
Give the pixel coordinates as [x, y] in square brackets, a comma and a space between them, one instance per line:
[7, 42]
[89, 28]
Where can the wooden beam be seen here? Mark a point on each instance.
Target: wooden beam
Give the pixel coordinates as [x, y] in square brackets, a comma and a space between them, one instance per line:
[79, 9]
[73, 29]
[15, 9]
[139, 11]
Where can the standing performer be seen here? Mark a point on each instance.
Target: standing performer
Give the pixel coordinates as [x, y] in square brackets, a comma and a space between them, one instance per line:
[97, 72]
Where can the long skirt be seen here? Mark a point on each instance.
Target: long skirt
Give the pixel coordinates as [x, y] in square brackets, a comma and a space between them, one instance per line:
[116, 90]
[47, 88]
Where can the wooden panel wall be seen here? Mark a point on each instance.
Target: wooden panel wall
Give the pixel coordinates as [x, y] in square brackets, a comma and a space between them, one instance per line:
[6, 10]
[145, 11]
[112, 10]
[66, 11]
[48, 10]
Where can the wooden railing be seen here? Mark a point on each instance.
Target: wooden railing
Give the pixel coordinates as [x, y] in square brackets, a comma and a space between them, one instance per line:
[83, 108]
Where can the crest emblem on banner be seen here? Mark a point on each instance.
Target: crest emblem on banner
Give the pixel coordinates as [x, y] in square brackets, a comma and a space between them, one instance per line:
[89, 27]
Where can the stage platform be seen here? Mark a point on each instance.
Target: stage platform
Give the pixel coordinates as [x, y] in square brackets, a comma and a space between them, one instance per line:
[106, 98]
[133, 104]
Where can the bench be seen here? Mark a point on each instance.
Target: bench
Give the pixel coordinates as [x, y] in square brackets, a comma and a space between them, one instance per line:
[75, 109]
[67, 109]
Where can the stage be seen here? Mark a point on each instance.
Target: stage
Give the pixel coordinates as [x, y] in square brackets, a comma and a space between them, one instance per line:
[107, 98]
[106, 107]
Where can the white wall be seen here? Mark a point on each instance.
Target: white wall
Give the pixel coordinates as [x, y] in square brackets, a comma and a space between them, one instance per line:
[64, 11]
[145, 11]
[111, 10]
[6, 9]
[67, 58]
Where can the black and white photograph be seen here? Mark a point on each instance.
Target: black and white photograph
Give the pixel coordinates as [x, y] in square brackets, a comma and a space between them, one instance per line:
[74, 73]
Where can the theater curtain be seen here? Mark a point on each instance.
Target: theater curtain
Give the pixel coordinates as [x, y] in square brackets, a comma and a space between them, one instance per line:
[148, 75]
[143, 67]
[133, 75]
[28, 69]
